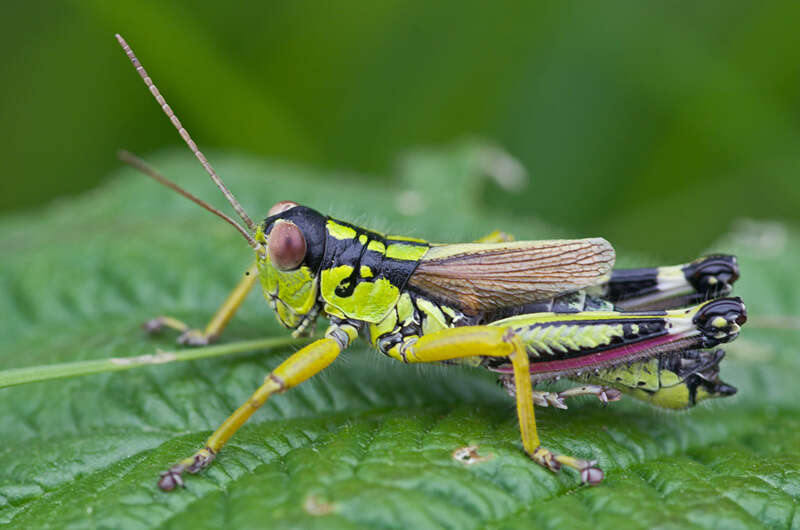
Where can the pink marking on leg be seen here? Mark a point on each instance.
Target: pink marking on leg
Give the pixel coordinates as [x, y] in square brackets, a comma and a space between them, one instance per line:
[620, 354]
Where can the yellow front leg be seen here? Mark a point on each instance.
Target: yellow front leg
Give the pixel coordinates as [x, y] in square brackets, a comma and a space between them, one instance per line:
[469, 341]
[196, 337]
[302, 365]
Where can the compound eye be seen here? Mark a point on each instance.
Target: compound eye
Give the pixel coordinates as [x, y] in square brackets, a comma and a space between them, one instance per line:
[286, 246]
[281, 207]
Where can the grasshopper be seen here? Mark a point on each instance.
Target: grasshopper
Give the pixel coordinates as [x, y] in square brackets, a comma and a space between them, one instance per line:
[532, 311]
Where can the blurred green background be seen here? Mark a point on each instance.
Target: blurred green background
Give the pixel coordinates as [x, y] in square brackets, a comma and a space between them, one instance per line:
[652, 124]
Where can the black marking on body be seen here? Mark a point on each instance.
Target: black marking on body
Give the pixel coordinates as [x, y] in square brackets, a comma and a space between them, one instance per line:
[355, 254]
[348, 285]
[414, 327]
[630, 283]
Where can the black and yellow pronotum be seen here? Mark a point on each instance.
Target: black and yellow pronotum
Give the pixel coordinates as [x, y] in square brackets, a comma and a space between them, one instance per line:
[533, 311]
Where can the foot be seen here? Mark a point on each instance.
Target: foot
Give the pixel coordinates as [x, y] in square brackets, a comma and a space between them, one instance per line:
[548, 399]
[590, 473]
[195, 337]
[194, 464]
[188, 336]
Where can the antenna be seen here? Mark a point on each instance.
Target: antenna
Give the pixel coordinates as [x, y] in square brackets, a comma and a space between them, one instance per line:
[137, 163]
[185, 135]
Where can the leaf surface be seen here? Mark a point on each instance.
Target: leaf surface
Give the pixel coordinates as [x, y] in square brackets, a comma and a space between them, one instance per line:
[369, 442]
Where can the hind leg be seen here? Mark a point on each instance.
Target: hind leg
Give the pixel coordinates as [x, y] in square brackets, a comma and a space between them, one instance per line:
[469, 341]
[670, 287]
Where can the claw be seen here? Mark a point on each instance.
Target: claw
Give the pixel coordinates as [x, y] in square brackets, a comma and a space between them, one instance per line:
[557, 401]
[153, 326]
[538, 399]
[592, 474]
[609, 394]
[172, 478]
[548, 399]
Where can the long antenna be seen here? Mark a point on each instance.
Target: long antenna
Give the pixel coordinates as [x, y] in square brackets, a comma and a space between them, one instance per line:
[184, 133]
[137, 163]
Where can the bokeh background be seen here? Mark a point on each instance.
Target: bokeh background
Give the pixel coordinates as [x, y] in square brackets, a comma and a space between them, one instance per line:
[655, 125]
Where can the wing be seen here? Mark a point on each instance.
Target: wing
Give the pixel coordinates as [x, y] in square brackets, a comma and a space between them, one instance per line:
[478, 277]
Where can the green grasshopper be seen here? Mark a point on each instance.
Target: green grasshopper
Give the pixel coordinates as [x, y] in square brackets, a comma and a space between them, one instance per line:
[533, 311]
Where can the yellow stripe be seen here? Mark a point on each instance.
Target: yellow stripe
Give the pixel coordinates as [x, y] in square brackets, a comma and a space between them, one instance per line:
[376, 246]
[405, 238]
[405, 252]
[340, 231]
[542, 318]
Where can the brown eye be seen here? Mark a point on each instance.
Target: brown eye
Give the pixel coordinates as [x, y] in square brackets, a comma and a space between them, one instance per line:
[287, 246]
[281, 207]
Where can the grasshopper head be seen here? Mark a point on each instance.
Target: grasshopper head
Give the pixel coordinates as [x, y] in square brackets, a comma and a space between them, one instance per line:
[291, 245]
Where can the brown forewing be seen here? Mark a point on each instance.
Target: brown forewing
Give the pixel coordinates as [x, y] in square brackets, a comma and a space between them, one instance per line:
[479, 277]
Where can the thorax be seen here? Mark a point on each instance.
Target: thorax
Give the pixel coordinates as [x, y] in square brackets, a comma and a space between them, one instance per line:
[412, 317]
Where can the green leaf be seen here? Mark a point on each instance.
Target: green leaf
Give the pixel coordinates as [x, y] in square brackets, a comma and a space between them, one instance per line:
[369, 442]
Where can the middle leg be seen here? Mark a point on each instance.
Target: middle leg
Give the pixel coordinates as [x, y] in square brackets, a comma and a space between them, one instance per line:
[542, 398]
